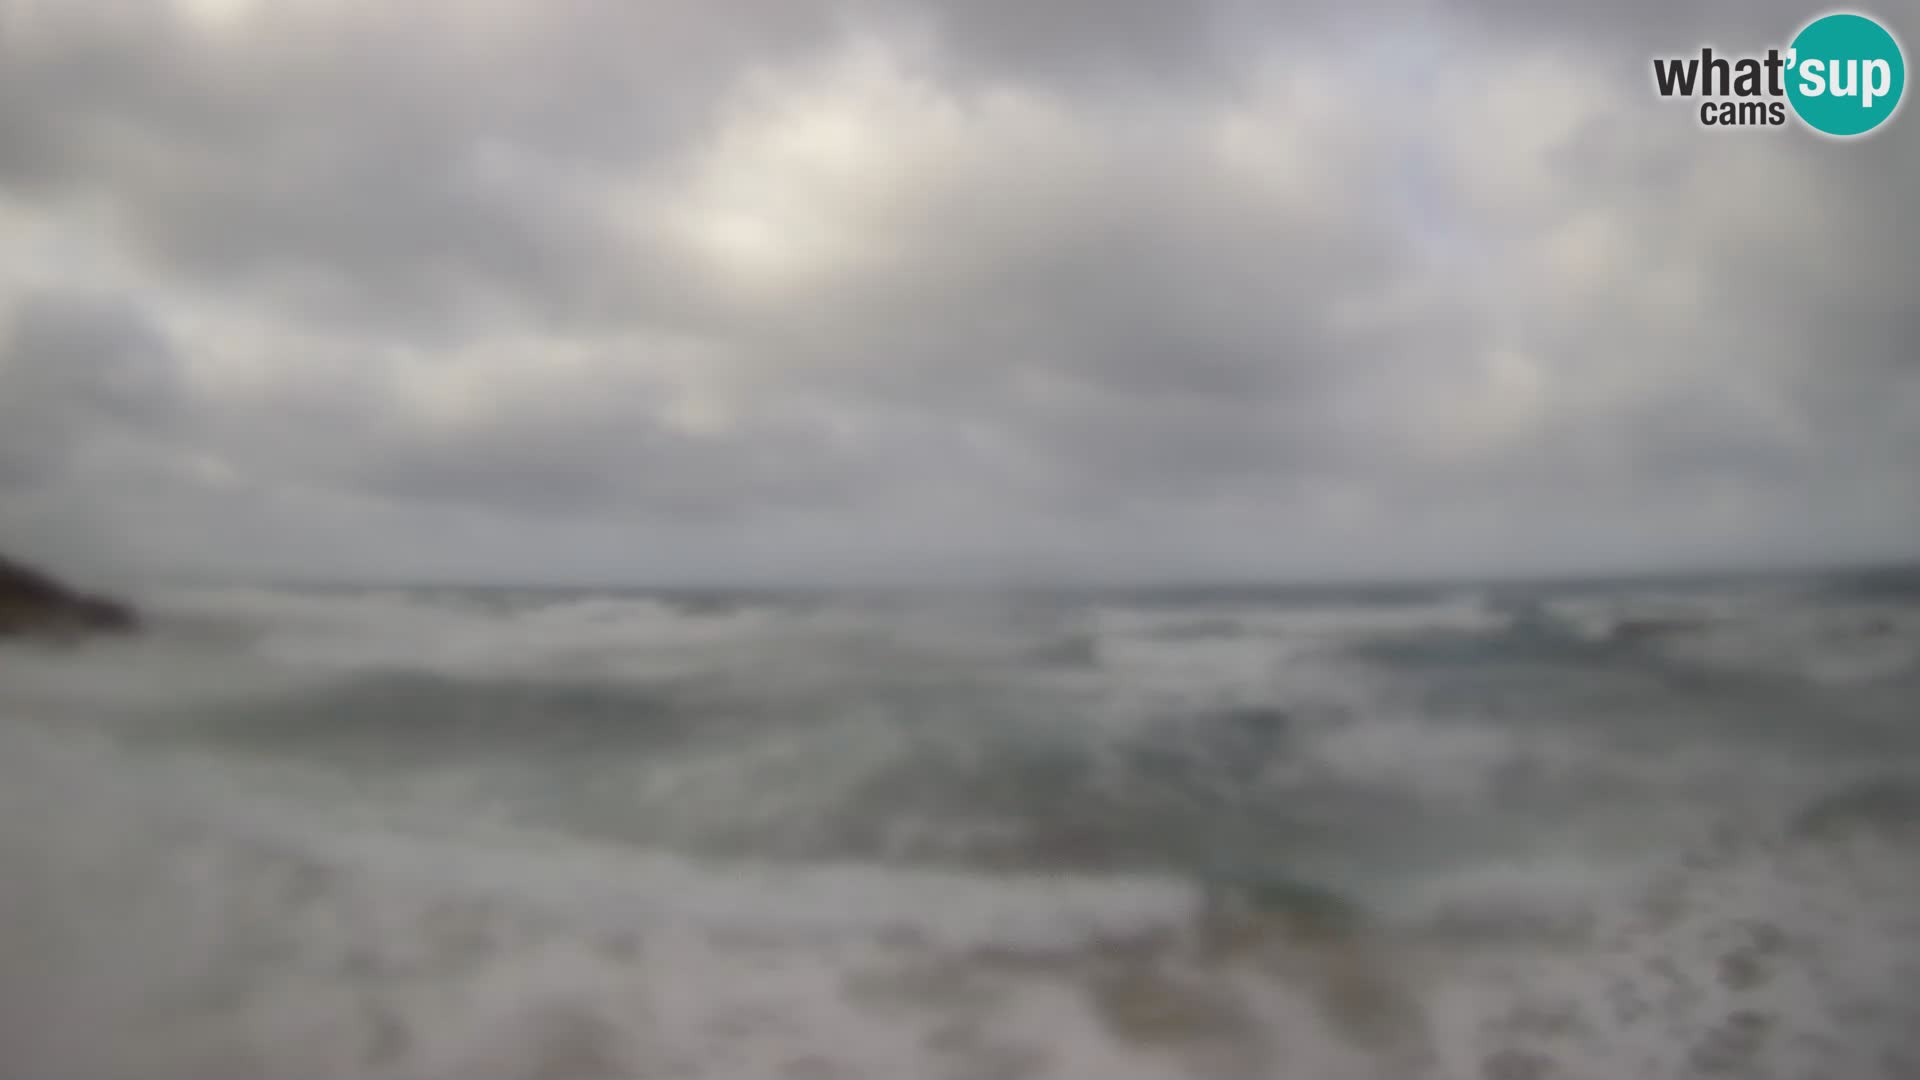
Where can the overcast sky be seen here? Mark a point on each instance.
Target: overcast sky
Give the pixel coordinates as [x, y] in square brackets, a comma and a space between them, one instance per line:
[692, 290]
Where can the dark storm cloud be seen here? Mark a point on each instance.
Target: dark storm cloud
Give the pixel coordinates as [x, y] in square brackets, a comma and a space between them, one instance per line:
[1115, 46]
[75, 368]
[397, 164]
[1174, 330]
[1219, 287]
[1667, 28]
[590, 459]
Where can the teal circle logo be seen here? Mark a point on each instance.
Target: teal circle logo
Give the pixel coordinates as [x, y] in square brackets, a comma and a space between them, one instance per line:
[1846, 75]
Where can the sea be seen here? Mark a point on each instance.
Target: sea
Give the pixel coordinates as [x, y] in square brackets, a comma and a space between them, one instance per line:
[1639, 829]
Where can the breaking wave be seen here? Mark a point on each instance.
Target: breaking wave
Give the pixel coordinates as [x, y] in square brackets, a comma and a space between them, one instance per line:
[425, 835]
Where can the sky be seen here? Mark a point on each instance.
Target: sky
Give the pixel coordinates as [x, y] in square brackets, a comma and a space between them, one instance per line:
[803, 291]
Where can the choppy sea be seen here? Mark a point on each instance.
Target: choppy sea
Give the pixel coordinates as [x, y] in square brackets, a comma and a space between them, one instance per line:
[1639, 830]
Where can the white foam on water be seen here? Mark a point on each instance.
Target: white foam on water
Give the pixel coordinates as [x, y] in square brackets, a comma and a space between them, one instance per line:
[188, 916]
[1306, 622]
[169, 920]
[455, 636]
[1830, 644]
[1120, 655]
[626, 640]
[1411, 754]
[1599, 616]
[1765, 960]
[1767, 631]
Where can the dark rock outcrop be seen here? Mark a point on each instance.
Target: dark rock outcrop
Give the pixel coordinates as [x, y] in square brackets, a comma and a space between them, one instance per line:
[33, 604]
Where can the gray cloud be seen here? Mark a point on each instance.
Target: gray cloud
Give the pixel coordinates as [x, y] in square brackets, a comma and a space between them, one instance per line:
[78, 369]
[809, 289]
